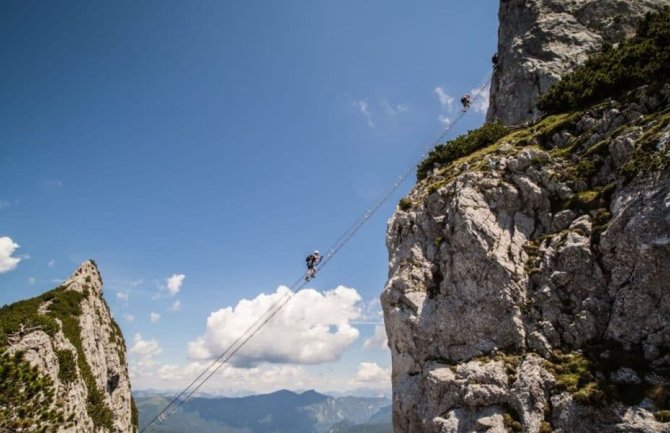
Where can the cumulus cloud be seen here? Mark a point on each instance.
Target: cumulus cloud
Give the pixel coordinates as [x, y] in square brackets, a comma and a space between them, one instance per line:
[362, 105]
[378, 339]
[371, 372]
[143, 351]
[154, 317]
[51, 263]
[129, 318]
[32, 281]
[174, 283]
[480, 100]
[446, 100]
[227, 380]
[176, 306]
[180, 372]
[312, 328]
[7, 248]
[122, 296]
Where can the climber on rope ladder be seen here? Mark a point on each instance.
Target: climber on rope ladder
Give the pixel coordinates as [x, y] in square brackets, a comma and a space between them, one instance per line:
[465, 101]
[312, 260]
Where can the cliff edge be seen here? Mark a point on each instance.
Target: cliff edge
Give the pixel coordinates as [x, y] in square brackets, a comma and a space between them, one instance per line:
[529, 268]
[62, 362]
[529, 282]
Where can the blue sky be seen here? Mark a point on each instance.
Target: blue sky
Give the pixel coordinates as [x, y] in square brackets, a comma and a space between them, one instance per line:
[222, 142]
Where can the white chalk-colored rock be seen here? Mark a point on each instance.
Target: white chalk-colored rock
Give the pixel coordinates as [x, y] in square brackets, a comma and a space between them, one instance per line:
[539, 41]
[103, 350]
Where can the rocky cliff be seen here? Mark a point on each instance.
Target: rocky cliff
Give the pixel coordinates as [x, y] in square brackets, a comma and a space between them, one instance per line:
[529, 272]
[539, 41]
[529, 282]
[63, 366]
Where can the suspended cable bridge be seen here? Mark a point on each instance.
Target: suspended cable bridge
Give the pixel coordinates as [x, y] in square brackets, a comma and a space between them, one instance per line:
[181, 398]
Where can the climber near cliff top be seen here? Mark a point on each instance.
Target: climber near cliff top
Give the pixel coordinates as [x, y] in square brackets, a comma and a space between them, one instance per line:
[312, 260]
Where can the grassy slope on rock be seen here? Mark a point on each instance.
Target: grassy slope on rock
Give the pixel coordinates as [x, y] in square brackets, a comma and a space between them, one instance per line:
[63, 305]
[461, 146]
[642, 60]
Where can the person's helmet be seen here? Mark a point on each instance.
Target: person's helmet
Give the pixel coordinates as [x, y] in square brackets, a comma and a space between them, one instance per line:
[316, 252]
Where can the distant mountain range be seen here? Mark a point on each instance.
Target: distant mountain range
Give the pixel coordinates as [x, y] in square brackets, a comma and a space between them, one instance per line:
[278, 412]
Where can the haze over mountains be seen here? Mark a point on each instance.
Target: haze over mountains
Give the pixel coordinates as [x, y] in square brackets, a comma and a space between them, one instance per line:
[279, 412]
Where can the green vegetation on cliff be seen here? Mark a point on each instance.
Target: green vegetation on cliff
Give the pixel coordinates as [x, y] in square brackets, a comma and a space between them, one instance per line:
[644, 59]
[23, 317]
[461, 146]
[26, 398]
[613, 73]
[585, 375]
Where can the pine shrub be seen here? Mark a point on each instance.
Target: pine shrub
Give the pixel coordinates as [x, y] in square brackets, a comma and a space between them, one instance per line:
[461, 146]
[643, 59]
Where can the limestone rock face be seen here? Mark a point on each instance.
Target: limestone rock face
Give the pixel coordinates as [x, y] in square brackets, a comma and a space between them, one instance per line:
[529, 285]
[539, 41]
[103, 350]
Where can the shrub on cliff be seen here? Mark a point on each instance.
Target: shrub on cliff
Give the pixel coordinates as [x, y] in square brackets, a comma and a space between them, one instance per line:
[461, 146]
[643, 59]
[26, 398]
[23, 317]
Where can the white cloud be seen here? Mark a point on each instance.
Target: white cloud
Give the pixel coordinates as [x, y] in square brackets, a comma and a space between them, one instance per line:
[176, 306]
[393, 110]
[227, 380]
[51, 263]
[371, 313]
[371, 372]
[362, 105]
[136, 283]
[143, 351]
[129, 318]
[312, 328]
[378, 339]
[122, 296]
[32, 281]
[446, 100]
[7, 248]
[154, 317]
[174, 283]
[169, 372]
[480, 100]
[445, 120]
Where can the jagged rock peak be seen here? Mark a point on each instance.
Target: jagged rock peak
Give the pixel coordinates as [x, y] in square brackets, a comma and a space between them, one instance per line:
[75, 352]
[539, 41]
[87, 274]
